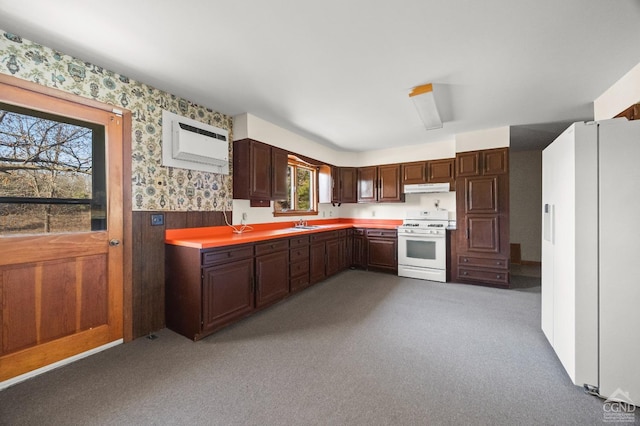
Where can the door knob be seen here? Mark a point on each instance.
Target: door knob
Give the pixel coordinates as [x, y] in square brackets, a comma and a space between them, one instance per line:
[114, 243]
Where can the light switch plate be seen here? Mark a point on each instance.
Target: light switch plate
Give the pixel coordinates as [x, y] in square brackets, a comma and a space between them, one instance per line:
[157, 219]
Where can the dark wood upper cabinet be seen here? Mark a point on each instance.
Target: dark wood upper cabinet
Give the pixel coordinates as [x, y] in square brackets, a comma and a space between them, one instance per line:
[389, 181]
[279, 164]
[485, 162]
[495, 161]
[441, 171]
[259, 171]
[367, 184]
[379, 184]
[468, 163]
[345, 185]
[413, 173]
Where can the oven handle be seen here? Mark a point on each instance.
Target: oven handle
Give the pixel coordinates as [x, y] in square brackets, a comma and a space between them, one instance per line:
[421, 236]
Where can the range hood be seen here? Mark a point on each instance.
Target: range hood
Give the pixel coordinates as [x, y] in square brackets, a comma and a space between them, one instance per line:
[422, 188]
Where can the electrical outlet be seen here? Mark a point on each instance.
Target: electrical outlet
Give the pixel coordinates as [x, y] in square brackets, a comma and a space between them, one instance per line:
[157, 219]
[244, 216]
[330, 214]
[373, 213]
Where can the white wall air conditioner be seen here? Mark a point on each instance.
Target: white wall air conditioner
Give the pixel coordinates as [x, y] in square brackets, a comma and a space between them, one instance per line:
[193, 145]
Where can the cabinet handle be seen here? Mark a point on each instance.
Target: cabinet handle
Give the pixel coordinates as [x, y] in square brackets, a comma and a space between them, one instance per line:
[498, 263]
[499, 277]
[465, 273]
[465, 260]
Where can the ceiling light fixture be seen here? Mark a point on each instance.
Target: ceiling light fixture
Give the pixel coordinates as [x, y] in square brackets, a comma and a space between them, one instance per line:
[425, 103]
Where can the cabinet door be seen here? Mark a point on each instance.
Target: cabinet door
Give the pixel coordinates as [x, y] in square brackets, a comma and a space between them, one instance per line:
[359, 259]
[279, 167]
[367, 184]
[382, 253]
[483, 233]
[441, 171]
[348, 184]
[336, 185]
[335, 253]
[348, 249]
[468, 163]
[414, 173]
[481, 195]
[389, 181]
[272, 277]
[317, 262]
[227, 293]
[260, 171]
[495, 161]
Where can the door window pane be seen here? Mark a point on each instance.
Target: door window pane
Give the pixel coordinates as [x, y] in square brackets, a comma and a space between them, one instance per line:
[52, 173]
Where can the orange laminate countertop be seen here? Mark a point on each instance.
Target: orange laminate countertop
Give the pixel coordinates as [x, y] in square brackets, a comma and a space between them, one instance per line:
[220, 236]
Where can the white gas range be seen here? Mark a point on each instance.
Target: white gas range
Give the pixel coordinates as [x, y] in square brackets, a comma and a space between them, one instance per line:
[422, 245]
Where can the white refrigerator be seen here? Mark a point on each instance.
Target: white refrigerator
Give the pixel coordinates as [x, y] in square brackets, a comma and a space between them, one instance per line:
[590, 246]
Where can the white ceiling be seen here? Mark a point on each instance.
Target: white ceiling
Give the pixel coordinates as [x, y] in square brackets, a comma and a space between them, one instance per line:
[339, 71]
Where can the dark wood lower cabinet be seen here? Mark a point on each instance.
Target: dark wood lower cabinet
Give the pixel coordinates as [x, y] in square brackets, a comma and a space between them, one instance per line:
[317, 262]
[375, 249]
[359, 259]
[227, 294]
[382, 250]
[299, 263]
[207, 289]
[325, 255]
[272, 272]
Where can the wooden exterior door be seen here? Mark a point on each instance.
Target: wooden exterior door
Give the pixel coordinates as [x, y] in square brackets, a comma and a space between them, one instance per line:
[61, 294]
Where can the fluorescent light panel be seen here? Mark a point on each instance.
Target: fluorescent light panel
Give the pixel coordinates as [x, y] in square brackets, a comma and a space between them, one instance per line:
[425, 104]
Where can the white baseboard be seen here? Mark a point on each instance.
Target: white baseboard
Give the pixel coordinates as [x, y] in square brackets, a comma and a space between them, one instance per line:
[31, 374]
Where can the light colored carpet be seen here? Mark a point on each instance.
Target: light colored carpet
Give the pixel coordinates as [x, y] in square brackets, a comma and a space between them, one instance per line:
[361, 348]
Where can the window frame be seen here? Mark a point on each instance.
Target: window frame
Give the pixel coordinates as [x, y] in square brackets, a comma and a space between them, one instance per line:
[294, 163]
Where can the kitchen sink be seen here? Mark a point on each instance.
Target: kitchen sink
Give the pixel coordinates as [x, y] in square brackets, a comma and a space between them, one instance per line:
[303, 227]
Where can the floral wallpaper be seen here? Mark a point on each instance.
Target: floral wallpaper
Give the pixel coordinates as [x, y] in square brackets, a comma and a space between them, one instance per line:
[154, 187]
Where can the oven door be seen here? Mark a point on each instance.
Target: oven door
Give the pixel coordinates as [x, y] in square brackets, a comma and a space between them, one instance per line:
[422, 250]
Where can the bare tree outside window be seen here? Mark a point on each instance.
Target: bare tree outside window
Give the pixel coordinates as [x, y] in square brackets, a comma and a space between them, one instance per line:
[46, 173]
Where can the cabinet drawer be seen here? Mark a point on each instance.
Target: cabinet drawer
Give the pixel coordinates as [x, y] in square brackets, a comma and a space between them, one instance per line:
[302, 240]
[297, 283]
[298, 254]
[323, 236]
[388, 233]
[271, 247]
[226, 255]
[299, 268]
[485, 276]
[484, 262]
